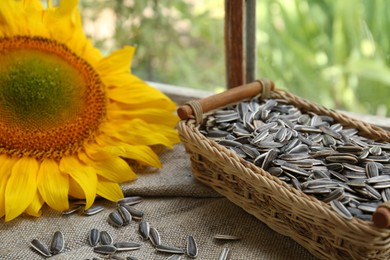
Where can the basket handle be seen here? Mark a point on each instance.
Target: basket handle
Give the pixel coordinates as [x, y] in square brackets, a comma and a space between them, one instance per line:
[196, 108]
[381, 216]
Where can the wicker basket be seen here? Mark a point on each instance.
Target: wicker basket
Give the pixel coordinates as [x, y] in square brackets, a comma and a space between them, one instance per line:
[307, 220]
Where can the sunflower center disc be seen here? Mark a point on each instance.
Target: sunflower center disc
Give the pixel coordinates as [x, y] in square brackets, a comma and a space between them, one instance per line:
[51, 100]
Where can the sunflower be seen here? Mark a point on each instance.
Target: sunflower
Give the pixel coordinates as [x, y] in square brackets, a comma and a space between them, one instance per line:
[70, 119]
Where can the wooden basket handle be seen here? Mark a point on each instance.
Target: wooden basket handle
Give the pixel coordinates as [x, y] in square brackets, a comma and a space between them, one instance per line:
[196, 108]
[381, 216]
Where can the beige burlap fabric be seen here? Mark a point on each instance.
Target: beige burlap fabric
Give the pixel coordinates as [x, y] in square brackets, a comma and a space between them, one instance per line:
[175, 204]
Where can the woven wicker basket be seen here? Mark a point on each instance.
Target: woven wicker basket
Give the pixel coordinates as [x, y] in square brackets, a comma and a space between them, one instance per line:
[307, 220]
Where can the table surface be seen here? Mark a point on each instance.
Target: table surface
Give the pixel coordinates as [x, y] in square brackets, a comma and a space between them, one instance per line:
[175, 203]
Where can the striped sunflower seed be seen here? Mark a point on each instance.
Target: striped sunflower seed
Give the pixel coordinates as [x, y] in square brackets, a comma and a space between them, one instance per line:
[105, 249]
[130, 200]
[105, 238]
[226, 237]
[127, 246]
[154, 237]
[71, 210]
[115, 219]
[93, 210]
[169, 249]
[341, 209]
[192, 247]
[144, 230]
[57, 244]
[135, 213]
[94, 237]
[125, 214]
[41, 248]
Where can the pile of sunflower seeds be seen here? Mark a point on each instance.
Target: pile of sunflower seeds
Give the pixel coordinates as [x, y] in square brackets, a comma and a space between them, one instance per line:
[311, 152]
[103, 243]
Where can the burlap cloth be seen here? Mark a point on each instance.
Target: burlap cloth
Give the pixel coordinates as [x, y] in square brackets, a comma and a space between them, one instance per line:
[175, 204]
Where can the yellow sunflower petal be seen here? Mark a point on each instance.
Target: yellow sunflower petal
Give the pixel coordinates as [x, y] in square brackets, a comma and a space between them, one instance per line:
[133, 91]
[6, 164]
[113, 169]
[137, 132]
[75, 190]
[34, 209]
[83, 175]
[53, 185]
[141, 153]
[21, 187]
[118, 61]
[109, 190]
[149, 115]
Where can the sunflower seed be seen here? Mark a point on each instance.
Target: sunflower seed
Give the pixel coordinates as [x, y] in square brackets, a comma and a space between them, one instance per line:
[94, 237]
[294, 169]
[130, 200]
[115, 219]
[144, 229]
[338, 176]
[260, 137]
[228, 143]
[353, 149]
[330, 132]
[126, 246]
[336, 194]
[302, 148]
[382, 185]
[192, 248]
[71, 210]
[226, 237]
[93, 210]
[359, 183]
[355, 175]
[354, 167]
[367, 207]
[40, 247]
[341, 209]
[378, 158]
[275, 171]
[250, 151]
[372, 169]
[319, 183]
[154, 237]
[225, 254]
[174, 257]
[347, 158]
[105, 238]
[131, 258]
[376, 150]
[269, 157]
[125, 214]
[135, 213]
[380, 178]
[57, 243]
[105, 249]
[374, 193]
[169, 249]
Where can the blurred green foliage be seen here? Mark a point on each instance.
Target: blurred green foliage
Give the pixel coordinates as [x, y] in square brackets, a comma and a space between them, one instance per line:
[178, 42]
[336, 53]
